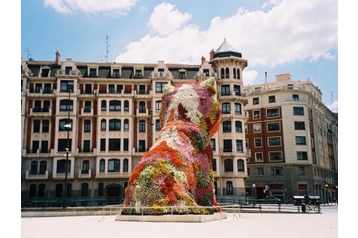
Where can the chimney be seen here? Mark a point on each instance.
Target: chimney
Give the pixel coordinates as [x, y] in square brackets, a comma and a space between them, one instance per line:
[212, 52]
[202, 59]
[58, 58]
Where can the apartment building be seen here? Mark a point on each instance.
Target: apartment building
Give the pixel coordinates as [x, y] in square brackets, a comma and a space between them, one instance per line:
[293, 140]
[85, 125]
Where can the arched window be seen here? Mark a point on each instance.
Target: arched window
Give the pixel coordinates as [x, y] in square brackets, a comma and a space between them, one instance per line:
[126, 105]
[238, 126]
[226, 108]
[228, 165]
[238, 73]
[87, 106]
[32, 190]
[59, 189]
[114, 125]
[114, 165]
[222, 73]
[34, 165]
[227, 73]
[237, 108]
[84, 189]
[125, 165]
[141, 126]
[240, 165]
[103, 105]
[102, 165]
[85, 167]
[100, 189]
[142, 107]
[229, 188]
[103, 125]
[41, 192]
[226, 126]
[43, 167]
[126, 125]
[114, 106]
[234, 72]
[37, 124]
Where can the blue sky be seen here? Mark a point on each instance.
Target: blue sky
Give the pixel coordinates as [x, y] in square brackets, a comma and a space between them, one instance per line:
[275, 36]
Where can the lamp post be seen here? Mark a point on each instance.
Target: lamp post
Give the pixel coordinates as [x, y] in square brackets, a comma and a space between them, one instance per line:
[326, 188]
[67, 128]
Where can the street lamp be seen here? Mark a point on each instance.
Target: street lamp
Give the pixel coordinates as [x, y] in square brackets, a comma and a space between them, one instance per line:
[67, 128]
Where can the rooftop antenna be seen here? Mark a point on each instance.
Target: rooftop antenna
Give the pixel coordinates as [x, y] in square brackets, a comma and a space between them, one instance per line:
[107, 51]
[28, 54]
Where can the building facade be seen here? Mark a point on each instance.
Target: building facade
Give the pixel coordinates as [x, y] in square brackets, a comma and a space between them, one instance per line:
[99, 119]
[293, 140]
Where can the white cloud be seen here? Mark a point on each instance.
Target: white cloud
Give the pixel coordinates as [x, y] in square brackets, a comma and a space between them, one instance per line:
[249, 76]
[164, 25]
[333, 107]
[291, 30]
[92, 6]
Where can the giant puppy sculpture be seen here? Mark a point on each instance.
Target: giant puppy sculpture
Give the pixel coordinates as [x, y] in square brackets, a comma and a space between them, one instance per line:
[176, 174]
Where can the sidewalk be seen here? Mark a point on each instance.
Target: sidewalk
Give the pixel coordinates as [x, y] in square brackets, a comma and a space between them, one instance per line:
[243, 225]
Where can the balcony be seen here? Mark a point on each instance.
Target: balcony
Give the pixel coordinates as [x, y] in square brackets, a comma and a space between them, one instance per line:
[143, 94]
[112, 175]
[142, 112]
[36, 176]
[86, 152]
[87, 111]
[38, 111]
[59, 176]
[233, 96]
[68, 74]
[84, 174]
[161, 75]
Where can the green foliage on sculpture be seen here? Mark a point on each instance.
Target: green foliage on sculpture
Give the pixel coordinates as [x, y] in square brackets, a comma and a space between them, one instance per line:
[175, 175]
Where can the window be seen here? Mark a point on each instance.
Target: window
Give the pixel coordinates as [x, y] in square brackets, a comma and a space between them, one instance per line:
[103, 105]
[38, 87]
[237, 90]
[272, 99]
[228, 165]
[84, 189]
[66, 105]
[68, 70]
[100, 189]
[276, 171]
[159, 87]
[273, 126]
[103, 125]
[114, 165]
[115, 73]
[66, 86]
[226, 126]
[239, 147]
[141, 126]
[44, 147]
[141, 146]
[240, 165]
[126, 125]
[102, 165]
[157, 125]
[93, 73]
[62, 144]
[126, 105]
[258, 142]
[125, 165]
[225, 90]
[85, 167]
[142, 107]
[295, 97]
[111, 88]
[32, 192]
[255, 101]
[213, 162]
[275, 156]
[274, 141]
[256, 114]
[237, 108]
[238, 126]
[115, 105]
[62, 123]
[33, 167]
[87, 106]
[226, 109]
[138, 74]
[61, 166]
[158, 105]
[256, 128]
[43, 167]
[300, 140]
[302, 155]
[222, 74]
[301, 170]
[259, 157]
[114, 144]
[182, 75]
[300, 125]
[298, 111]
[272, 112]
[86, 146]
[227, 146]
[257, 89]
[87, 126]
[213, 144]
[206, 72]
[238, 73]
[260, 171]
[45, 72]
[36, 126]
[227, 73]
[229, 188]
[88, 89]
[114, 125]
[103, 145]
[125, 144]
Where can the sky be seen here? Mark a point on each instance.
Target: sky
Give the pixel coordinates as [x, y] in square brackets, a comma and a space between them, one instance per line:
[275, 36]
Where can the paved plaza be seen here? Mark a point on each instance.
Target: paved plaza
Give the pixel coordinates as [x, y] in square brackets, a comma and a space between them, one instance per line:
[243, 225]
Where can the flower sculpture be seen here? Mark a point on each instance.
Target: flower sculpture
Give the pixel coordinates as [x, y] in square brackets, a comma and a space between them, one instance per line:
[175, 175]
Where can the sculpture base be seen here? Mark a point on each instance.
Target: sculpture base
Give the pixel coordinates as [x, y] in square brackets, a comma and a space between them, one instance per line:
[217, 216]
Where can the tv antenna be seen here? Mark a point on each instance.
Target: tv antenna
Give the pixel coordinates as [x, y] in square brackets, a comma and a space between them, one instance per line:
[107, 46]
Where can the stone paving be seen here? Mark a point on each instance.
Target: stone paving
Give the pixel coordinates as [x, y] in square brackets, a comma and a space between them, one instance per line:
[243, 225]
